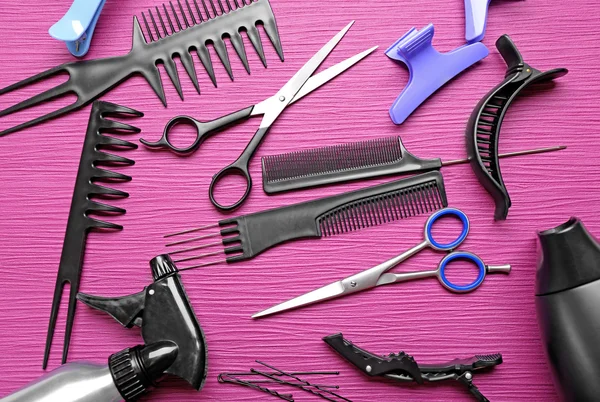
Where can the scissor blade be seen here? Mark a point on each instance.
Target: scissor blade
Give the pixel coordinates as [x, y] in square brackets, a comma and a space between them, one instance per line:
[287, 93]
[328, 292]
[324, 77]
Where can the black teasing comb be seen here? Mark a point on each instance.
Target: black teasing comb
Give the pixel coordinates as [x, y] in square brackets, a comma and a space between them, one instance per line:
[483, 129]
[90, 173]
[171, 30]
[352, 161]
[247, 236]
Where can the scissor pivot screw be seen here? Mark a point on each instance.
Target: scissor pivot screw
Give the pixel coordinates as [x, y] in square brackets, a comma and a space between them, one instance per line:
[151, 292]
[368, 368]
[353, 284]
[469, 376]
[282, 98]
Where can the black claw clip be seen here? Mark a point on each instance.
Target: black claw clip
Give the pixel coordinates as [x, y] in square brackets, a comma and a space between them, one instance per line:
[164, 313]
[402, 367]
[483, 129]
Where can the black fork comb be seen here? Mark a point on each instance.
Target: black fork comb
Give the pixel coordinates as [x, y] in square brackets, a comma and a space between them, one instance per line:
[174, 29]
[87, 189]
[247, 236]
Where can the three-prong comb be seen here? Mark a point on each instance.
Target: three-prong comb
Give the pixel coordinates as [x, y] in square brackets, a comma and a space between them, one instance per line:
[91, 172]
[171, 30]
[247, 236]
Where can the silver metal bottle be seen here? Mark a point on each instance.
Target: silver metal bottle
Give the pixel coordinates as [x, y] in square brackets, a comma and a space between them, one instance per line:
[128, 375]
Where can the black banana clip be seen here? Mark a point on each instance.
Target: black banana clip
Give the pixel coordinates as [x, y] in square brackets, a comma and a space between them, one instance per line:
[403, 367]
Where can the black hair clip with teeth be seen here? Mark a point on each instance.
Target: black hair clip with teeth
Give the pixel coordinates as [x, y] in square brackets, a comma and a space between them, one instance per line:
[483, 128]
[404, 368]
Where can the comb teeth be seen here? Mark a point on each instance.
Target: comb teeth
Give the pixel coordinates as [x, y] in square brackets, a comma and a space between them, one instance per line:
[82, 205]
[489, 358]
[384, 208]
[97, 144]
[337, 158]
[180, 16]
[487, 130]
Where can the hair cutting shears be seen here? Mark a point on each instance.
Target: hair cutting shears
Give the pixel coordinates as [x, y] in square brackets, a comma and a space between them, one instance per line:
[379, 275]
[301, 84]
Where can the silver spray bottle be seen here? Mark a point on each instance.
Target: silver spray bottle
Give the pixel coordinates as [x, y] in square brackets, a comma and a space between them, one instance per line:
[128, 375]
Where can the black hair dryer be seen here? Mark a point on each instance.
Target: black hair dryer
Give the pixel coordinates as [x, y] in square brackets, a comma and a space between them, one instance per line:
[568, 308]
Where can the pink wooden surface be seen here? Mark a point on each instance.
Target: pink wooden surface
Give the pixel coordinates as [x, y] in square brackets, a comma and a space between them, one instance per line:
[169, 193]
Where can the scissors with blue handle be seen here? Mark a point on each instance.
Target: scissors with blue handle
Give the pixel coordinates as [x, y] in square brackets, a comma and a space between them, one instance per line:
[301, 84]
[379, 275]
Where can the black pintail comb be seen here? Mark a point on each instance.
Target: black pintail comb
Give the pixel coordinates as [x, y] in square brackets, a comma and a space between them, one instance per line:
[246, 236]
[173, 29]
[92, 171]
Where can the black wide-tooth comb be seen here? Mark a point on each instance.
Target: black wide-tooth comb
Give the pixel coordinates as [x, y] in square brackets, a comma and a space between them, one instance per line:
[171, 30]
[87, 189]
[247, 236]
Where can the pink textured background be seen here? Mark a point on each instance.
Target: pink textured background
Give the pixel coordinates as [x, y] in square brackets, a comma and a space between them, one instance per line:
[169, 193]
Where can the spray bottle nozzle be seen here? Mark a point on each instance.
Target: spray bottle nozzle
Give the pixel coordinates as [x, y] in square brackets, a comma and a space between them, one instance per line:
[164, 313]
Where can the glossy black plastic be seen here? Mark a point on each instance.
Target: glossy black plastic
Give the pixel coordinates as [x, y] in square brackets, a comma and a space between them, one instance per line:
[89, 79]
[402, 367]
[164, 313]
[135, 370]
[341, 163]
[371, 364]
[568, 301]
[248, 235]
[483, 128]
[92, 171]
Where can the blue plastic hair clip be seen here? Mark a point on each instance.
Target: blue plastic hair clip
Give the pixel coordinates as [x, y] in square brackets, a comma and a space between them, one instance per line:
[429, 69]
[76, 28]
[476, 12]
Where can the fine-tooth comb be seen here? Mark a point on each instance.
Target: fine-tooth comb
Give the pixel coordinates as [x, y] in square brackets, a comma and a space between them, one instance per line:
[483, 128]
[172, 31]
[247, 236]
[86, 187]
[351, 161]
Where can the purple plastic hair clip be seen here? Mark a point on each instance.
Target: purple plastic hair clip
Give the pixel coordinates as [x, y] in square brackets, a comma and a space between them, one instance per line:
[429, 69]
[476, 12]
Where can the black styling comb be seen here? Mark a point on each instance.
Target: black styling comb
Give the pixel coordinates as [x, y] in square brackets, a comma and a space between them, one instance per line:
[82, 205]
[483, 129]
[247, 236]
[170, 31]
[351, 161]
[402, 367]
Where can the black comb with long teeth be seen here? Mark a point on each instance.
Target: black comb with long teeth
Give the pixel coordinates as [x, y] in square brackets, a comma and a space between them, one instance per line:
[91, 171]
[247, 236]
[174, 29]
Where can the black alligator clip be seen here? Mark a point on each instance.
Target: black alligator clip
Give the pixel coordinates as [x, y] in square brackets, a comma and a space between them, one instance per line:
[164, 313]
[402, 367]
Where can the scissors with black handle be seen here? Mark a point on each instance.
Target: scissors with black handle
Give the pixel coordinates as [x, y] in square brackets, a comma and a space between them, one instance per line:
[379, 275]
[301, 84]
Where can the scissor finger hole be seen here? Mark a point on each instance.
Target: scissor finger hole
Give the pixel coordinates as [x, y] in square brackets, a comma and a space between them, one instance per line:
[229, 189]
[182, 133]
[448, 229]
[462, 272]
